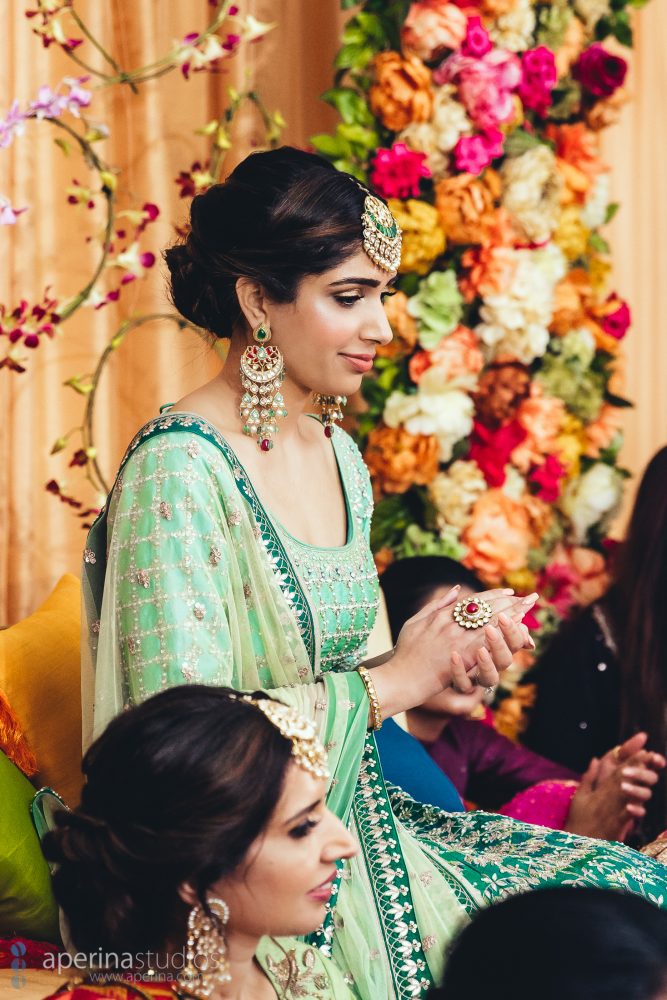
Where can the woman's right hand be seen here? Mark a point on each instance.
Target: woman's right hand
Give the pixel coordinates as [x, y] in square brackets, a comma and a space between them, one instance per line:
[433, 651]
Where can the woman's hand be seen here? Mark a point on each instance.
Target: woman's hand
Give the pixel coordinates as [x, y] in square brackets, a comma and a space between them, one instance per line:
[613, 792]
[433, 650]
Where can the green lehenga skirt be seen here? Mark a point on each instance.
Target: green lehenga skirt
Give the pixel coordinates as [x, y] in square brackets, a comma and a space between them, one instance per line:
[187, 578]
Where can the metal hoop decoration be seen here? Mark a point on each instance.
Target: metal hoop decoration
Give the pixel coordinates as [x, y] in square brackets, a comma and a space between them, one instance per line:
[472, 613]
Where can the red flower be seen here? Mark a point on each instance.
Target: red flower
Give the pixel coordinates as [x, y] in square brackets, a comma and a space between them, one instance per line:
[548, 476]
[599, 72]
[491, 449]
[616, 320]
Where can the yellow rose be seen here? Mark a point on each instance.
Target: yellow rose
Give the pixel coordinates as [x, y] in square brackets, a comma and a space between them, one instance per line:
[423, 236]
[571, 235]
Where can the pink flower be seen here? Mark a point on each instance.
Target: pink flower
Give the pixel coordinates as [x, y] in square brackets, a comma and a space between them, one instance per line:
[13, 124]
[556, 582]
[8, 214]
[538, 78]
[396, 172]
[78, 97]
[473, 153]
[48, 103]
[599, 72]
[617, 317]
[548, 478]
[485, 85]
[477, 42]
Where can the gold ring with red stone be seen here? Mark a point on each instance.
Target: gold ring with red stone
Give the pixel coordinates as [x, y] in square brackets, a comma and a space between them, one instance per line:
[472, 613]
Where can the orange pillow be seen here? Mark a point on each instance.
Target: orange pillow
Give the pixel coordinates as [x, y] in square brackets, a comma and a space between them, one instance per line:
[40, 673]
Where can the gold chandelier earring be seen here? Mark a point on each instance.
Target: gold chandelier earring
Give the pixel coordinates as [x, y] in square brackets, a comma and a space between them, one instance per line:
[262, 374]
[332, 410]
[206, 964]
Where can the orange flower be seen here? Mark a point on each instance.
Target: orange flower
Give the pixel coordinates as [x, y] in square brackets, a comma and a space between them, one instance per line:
[401, 93]
[571, 297]
[431, 28]
[602, 431]
[495, 8]
[571, 46]
[466, 207]
[383, 557]
[403, 325]
[593, 574]
[577, 151]
[502, 388]
[542, 417]
[511, 717]
[456, 355]
[489, 271]
[607, 112]
[498, 537]
[398, 460]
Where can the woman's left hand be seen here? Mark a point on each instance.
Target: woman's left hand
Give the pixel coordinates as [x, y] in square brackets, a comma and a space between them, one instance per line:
[494, 656]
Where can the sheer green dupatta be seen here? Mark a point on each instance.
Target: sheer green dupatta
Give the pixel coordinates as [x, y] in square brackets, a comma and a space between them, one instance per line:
[185, 582]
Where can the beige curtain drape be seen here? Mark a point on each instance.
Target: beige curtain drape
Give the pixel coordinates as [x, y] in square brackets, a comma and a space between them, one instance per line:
[152, 139]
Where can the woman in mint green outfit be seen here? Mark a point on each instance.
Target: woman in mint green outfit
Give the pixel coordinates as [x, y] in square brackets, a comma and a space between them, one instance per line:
[220, 562]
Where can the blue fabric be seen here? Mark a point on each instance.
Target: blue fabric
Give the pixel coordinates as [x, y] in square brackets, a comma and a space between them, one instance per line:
[405, 763]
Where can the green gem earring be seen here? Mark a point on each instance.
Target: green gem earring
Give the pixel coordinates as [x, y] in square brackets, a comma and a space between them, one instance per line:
[262, 375]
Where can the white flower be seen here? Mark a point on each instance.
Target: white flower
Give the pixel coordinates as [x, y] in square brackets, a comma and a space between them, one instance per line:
[455, 492]
[515, 485]
[531, 194]
[439, 407]
[594, 211]
[516, 321]
[514, 30]
[590, 498]
[438, 136]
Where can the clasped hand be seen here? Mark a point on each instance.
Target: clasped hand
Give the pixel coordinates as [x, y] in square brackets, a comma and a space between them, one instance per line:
[436, 647]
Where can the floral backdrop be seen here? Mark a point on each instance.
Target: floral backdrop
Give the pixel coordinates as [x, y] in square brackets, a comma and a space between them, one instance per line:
[492, 425]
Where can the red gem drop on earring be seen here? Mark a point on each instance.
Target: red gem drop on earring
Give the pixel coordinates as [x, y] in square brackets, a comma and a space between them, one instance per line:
[328, 430]
[266, 445]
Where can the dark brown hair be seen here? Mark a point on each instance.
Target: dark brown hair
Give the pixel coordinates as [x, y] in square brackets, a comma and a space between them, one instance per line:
[279, 216]
[638, 606]
[177, 789]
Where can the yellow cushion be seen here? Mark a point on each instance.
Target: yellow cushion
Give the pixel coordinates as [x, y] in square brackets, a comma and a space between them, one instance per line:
[40, 674]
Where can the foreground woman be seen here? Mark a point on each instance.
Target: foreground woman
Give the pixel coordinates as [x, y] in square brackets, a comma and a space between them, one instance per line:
[201, 839]
[221, 562]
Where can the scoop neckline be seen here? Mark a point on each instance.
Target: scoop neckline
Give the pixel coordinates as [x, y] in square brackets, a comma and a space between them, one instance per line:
[278, 525]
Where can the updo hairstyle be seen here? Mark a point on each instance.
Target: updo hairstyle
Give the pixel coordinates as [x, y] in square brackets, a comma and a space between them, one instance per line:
[177, 789]
[279, 216]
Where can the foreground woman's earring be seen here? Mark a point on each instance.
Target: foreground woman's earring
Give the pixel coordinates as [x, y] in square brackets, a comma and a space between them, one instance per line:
[332, 410]
[262, 374]
[206, 965]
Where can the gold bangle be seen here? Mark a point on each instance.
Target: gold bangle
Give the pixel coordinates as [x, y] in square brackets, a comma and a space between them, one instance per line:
[373, 700]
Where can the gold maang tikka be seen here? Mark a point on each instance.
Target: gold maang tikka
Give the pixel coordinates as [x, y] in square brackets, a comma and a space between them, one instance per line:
[262, 374]
[382, 237]
[307, 750]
